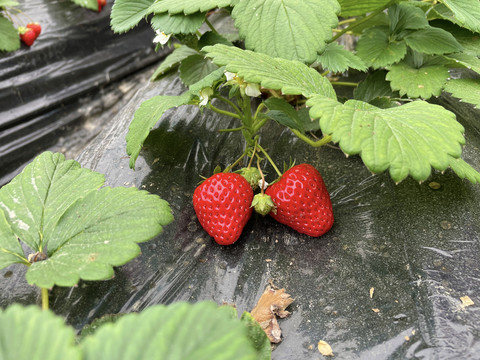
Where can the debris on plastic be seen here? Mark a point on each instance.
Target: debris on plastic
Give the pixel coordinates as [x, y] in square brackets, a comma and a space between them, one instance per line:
[324, 348]
[371, 292]
[466, 301]
[271, 304]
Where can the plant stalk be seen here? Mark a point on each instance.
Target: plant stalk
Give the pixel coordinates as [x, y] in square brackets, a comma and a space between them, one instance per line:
[325, 140]
[44, 299]
[223, 112]
[270, 160]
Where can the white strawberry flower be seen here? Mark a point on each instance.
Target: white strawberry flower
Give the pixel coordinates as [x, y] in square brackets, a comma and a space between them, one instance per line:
[205, 96]
[161, 37]
[230, 76]
[262, 184]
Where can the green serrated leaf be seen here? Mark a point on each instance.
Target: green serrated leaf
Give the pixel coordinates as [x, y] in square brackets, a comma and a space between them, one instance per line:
[187, 6]
[377, 49]
[178, 23]
[407, 140]
[467, 39]
[9, 39]
[360, 7]
[257, 337]
[45, 189]
[424, 82]
[207, 81]
[290, 76]
[146, 117]
[194, 68]
[126, 14]
[290, 29]
[28, 333]
[374, 86]
[179, 331]
[464, 170]
[283, 113]
[433, 41]
[336, 58]
[89, 4]
[406, 17]
[468, 90]
[173, 60]
[307, 122]
[97, 232]
[466, 60]
[466, 13]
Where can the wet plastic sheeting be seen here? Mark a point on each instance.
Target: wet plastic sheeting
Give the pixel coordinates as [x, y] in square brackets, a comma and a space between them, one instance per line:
[417, 247]
[41, 87]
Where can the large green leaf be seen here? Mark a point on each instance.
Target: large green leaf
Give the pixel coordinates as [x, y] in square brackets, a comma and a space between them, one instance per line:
[468, 90]
[8, 3]
[465, 12]
[377, 49]
[35, 199]
[11, 251]
[290, 76]
[173, 60]
[126, 14]
[406, 17]
[424, 82]
[98, 232]
[433, 41]
[9, 39]
[89, 4]
[187, 6]
[146, 117]
[194, 68]
[178, 23]
[28, 333]
[180, 331]
[467, 39]
[207, 81]
[257, 337]
[407, 140]
[469, 61]
[336, 58]
[290, 29]
[55, 207]
[360, 7]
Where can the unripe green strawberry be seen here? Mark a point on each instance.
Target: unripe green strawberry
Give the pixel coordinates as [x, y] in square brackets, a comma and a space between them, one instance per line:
[263, 204]
[222, 204]
[302, 201]
[252, 175]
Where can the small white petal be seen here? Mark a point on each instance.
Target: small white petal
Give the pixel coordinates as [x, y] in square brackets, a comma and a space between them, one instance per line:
[262, 184]
[229, 75]
[204, 96]
[161, 37]
[252, 90]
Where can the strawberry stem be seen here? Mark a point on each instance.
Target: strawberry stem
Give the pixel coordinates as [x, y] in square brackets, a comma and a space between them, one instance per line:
[261, 174]
[325, 140]
[229, 102]
[230, 167]
[223, 112]
[253, 155]
[270, 160]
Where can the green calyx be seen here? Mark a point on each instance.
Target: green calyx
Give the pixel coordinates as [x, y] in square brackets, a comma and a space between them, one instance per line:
[263, 204]
[252, 175]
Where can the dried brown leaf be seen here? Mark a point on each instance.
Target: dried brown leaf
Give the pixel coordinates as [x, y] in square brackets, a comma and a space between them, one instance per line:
[271, 304]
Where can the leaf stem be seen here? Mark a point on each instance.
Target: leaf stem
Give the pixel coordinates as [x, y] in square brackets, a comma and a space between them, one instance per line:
[209, 24]
[223, 112]
[259, 108]
[346, 21]
[231, 130]
[259, 125]
[230, 167]
[359, 22]
[325, 140]
[269, 159]
[344, 83]
[44, 299]
[229, 102]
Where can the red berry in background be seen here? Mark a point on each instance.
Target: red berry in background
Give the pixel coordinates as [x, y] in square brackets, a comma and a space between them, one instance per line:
[302, 200]
[36, 27]
[101, 4]
[222, 204]
[27, 35]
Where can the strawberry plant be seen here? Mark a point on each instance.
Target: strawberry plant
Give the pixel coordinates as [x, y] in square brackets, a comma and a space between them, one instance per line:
[292, 58]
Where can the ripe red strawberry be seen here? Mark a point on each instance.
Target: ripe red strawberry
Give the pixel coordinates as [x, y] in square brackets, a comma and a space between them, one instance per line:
[36, 27]
[222, 204]
[101, 4]
[27, 35]
[302, 201]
